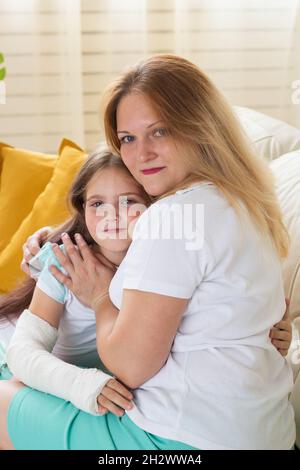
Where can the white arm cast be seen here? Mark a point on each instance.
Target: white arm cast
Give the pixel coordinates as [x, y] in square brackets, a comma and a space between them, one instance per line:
[30, 360]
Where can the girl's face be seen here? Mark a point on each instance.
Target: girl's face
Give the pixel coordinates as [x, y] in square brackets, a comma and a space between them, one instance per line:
[113, 203]
[147, 146]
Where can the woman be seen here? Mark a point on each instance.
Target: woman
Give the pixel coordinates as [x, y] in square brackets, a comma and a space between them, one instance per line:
[187, 317]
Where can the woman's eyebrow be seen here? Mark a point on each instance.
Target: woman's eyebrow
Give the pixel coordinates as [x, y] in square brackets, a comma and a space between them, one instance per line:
[150, 125]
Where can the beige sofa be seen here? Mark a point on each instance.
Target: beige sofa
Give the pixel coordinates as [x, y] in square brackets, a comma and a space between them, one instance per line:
[280, 144]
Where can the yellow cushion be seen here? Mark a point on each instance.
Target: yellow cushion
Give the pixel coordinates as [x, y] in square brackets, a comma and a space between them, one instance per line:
[2, 145]
[24, 176]
[50, 208]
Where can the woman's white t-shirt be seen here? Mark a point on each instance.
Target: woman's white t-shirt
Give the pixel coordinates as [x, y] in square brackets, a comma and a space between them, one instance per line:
[224, 385]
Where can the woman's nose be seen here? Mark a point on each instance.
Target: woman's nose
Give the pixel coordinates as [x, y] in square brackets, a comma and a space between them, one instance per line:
[145, 151]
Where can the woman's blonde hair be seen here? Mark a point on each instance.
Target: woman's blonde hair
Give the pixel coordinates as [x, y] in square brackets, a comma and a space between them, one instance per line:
[208, 133]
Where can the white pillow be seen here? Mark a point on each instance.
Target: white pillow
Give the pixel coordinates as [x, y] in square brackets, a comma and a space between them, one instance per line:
[286, 170]
[270, 137]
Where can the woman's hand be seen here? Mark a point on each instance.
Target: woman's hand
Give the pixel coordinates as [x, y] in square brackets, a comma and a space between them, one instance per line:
[281, 333]
[89, 274]
[32, 246]
[114, 398]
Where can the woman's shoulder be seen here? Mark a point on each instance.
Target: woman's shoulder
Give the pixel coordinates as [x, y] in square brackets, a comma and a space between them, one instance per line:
[203, 193]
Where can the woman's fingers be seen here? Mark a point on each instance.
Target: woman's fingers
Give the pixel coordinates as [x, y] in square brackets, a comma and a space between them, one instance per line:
[283, 325]
[280, 334]
[33, 243]
[283, 352]
[61, 277]
[84, 249]
[31, 247]
[90, 258]
[63, 259]
[25, 267]
[281, 345]
[71, 251]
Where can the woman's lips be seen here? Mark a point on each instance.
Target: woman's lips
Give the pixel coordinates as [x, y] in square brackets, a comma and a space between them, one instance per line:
[152, 170]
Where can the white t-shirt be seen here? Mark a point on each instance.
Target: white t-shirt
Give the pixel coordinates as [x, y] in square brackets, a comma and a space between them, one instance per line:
[224, 385]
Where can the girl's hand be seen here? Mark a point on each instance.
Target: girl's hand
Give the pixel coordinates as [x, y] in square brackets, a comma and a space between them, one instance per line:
[32, 246]
[114, 398]
[281, 333]
[89, 274]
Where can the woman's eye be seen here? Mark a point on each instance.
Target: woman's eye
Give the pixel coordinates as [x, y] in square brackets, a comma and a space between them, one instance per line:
[160, 132]
[127, 139]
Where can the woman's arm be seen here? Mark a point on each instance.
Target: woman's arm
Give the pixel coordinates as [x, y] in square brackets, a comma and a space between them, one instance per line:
[30, 360]
[135, 342]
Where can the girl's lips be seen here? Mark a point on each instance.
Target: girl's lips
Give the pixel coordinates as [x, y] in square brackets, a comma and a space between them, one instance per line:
[115, 230]
[152, 170]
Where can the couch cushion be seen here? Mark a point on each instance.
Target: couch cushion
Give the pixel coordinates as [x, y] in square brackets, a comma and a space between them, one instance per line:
[24, 176]
[270, 137]
[287, 174]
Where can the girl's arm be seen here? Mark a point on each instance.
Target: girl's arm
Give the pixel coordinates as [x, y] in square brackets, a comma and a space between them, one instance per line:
[30, 360]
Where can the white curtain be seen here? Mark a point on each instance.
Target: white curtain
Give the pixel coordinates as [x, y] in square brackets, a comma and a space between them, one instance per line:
[250, 48]
[60, 55]
[41, 42]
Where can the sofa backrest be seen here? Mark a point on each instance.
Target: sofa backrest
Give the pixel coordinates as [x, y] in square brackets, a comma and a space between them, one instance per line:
[271, 137]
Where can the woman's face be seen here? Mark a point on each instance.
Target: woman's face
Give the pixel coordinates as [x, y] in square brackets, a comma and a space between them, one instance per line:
[147, 146]
[113, 203]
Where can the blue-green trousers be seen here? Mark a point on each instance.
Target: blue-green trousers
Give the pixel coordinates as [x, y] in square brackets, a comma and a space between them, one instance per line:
[40, 421]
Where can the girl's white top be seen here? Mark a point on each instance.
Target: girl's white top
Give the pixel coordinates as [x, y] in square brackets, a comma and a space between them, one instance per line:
[224, 385]
[76, 341]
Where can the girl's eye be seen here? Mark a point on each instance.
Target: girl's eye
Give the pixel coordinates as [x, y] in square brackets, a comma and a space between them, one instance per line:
[127, 139]
[124, 201]
[160, 132]
[96, 204]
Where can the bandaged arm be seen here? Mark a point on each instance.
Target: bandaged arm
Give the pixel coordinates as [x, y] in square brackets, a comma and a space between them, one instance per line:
[30, 360]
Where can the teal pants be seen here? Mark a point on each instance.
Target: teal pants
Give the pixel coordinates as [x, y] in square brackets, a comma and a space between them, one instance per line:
[39, 421]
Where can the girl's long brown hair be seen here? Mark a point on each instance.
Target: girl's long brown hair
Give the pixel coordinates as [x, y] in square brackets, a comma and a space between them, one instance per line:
[13, 303]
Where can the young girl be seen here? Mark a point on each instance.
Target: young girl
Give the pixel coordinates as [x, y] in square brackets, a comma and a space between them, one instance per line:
[55, 319]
